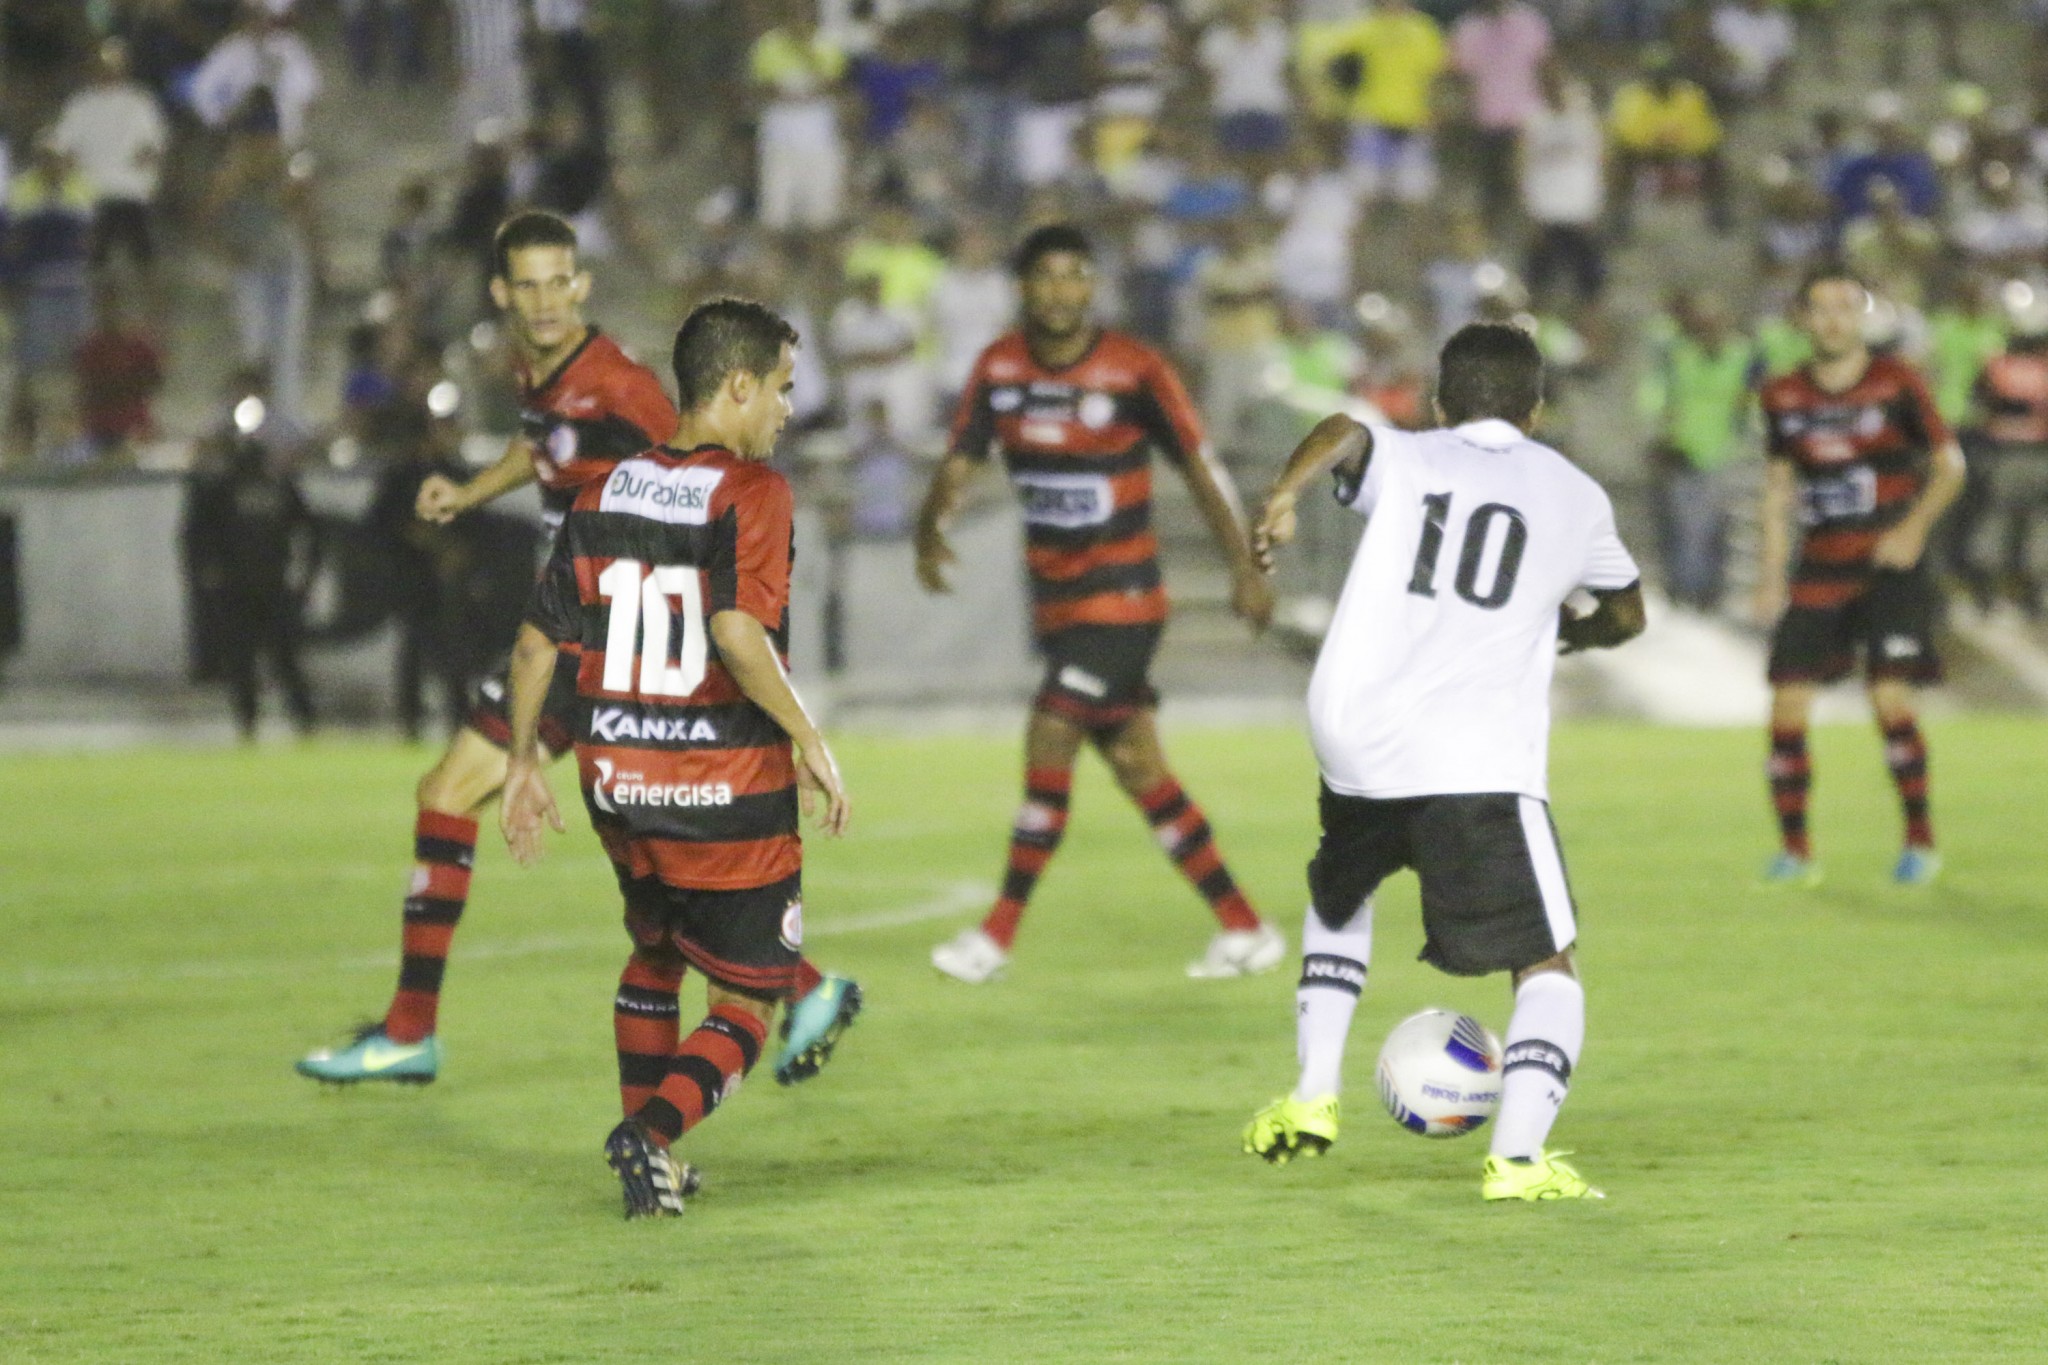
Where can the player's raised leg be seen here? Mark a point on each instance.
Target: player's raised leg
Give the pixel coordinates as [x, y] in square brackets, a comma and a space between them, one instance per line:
[1051, 743]
[1244, 944]
[1905, 753]
[1790, 771]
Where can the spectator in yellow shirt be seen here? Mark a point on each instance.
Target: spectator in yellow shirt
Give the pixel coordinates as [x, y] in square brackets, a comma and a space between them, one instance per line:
[1389, 62]
[1662, 123]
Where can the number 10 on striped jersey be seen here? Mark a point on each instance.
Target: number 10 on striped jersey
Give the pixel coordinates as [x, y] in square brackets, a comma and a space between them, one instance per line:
[641, 615]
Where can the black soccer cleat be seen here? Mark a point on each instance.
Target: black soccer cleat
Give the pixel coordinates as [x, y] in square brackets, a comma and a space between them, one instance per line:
[654, 1183]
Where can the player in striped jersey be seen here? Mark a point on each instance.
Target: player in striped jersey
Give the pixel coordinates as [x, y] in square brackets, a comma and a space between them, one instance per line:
[585, 405]
[669, 585]
[1076, 411]
[1859, 453]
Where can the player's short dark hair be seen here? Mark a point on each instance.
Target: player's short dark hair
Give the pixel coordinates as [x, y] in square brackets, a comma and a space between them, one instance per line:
[722, 336]
[1828, 272]
[1045, 241]
[1489, 369]
[528, 228]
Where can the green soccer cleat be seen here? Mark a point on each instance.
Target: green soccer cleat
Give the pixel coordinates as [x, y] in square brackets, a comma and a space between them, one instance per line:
[1789, 869]
[1288, 1128]
[1535, 1180]
[372, 1056]
[811, 1028]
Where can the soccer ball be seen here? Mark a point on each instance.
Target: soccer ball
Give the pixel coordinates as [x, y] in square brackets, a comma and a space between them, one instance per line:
[1439, 1073]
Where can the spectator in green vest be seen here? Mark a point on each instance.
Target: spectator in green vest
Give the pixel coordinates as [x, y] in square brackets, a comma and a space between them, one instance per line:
[1698, 393]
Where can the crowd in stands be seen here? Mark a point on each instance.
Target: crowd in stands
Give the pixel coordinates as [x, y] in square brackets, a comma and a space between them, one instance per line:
[1298, 199]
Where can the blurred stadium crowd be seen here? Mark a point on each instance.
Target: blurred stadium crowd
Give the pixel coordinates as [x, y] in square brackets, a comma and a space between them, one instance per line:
[1296, 198]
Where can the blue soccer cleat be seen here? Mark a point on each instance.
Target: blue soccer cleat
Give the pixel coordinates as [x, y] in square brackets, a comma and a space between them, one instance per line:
[1789, 869]
[811, 1028]
[1917, 866]
[372, 1056]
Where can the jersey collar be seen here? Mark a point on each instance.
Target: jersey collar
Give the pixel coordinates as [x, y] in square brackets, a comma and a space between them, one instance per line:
[1494, 433]
[554, 375]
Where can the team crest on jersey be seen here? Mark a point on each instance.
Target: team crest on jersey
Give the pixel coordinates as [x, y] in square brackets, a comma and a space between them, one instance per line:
[1006, 399]
[561, 443]
[1870, 421]
[1096, 411]
[793, 925]
[645, 489]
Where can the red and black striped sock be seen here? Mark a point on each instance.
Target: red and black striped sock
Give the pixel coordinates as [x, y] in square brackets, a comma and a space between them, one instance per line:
[1905, 753]
[646, 1023]
[1183, 831]
[1791, 774]
[807, 979]
[705, 1069]
[1041, 820]
[444, 848]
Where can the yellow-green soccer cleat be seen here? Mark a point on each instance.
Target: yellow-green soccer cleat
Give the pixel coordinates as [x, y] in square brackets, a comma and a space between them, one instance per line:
[1535, 1179]
[1288, 1128]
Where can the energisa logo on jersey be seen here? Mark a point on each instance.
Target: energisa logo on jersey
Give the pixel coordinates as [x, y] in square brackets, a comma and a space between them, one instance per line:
[614, 789]
[643, 488]
[610, 724]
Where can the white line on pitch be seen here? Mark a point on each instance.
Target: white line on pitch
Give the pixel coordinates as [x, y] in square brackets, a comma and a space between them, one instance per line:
[951, 899]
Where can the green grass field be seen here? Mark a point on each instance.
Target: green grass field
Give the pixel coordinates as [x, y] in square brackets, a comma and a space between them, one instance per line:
[1818, 1115]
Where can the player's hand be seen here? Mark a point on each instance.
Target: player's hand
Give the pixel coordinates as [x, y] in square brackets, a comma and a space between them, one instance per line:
[1251, 597]
[1899, 548]
[525, 804]
[1275, 528]
[933, 555]
[439, 500]
[1768, 604]
[817, 776]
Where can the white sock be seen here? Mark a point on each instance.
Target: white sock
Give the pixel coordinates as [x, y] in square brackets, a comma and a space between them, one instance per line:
[1333, 965]
[1544, 1038]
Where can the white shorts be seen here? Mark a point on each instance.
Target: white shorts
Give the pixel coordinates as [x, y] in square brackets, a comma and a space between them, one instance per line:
[802, 185]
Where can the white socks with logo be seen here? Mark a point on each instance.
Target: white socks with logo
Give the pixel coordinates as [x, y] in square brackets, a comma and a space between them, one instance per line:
[1333, 966]
[1543, 1042]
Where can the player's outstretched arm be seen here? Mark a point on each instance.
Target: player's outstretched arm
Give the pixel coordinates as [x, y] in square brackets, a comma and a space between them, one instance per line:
[527, 801]
[441, 499]
[949, 481]
[1335, 440]
[1617, 619]
[744, 648]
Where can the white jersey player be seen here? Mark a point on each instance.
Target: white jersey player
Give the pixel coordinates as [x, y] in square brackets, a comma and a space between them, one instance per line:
[1430, 715]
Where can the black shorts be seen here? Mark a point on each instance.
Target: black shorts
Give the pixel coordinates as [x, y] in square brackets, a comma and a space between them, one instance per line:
[1890, 625]
[490, 715]
[747, 941]
[1494, 893]
[1099, 676]
[124, 223]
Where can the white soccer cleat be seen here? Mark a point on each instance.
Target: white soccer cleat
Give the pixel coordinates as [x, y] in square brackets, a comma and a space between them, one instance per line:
[970, 956]
[1240, 952]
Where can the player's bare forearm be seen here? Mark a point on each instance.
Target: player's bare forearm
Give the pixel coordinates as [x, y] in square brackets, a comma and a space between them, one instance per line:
[1775, 541]
[533, 668]
[1215, 493]
[949, 481]
[1335, 440]
[442, 499]
[1618, 619]
[1903, 545]
[745, 650]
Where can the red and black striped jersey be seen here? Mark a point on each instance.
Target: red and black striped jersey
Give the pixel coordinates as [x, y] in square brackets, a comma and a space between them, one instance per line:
[1862, 456]
[1076, 441]
[598, 407]
[685, 779]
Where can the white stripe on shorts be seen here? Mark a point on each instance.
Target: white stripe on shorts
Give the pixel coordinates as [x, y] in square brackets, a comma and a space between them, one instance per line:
[1549, 865]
